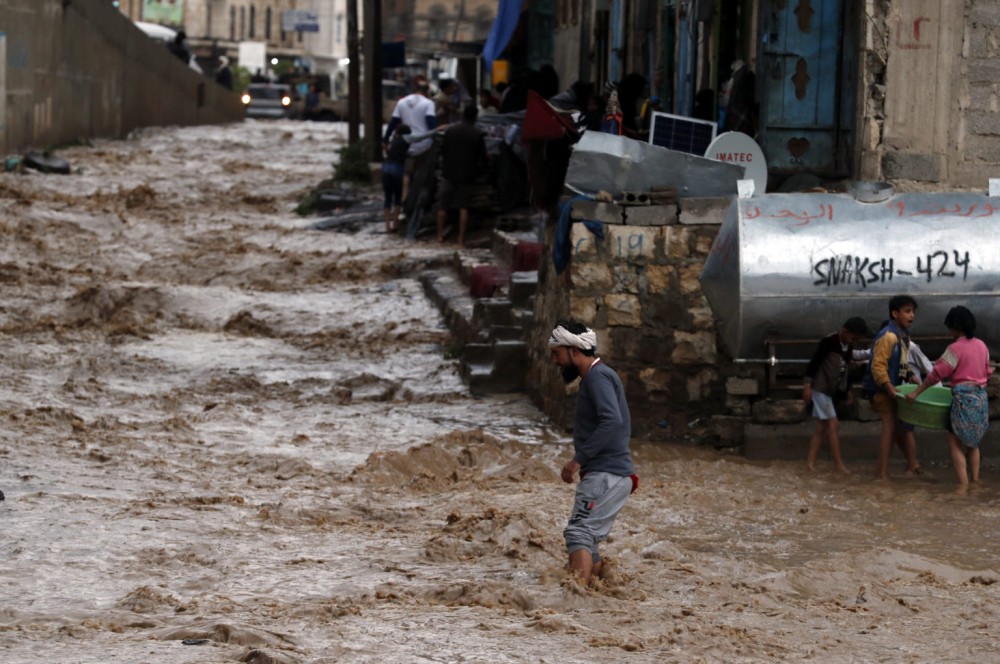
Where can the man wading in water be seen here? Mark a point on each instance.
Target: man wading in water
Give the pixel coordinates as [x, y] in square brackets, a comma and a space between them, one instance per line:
[601, 432]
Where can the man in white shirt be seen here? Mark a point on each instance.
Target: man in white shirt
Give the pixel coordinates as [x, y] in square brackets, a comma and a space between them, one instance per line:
[417, 112]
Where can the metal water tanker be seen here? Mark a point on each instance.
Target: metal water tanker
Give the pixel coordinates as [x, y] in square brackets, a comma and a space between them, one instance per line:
[796, 266]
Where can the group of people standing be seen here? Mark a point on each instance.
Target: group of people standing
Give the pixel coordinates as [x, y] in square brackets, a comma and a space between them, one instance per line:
[894, 360]
[182, 51]
[408, 141]
[626, 110]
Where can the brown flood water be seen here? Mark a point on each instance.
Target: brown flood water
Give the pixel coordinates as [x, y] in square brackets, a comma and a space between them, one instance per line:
[222, 426]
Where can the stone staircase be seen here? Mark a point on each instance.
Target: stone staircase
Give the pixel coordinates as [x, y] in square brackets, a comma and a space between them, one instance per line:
[491, 330]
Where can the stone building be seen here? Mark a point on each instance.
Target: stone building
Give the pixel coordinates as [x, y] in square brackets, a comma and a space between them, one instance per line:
[215, 27]
[436, 23]
[899, 89]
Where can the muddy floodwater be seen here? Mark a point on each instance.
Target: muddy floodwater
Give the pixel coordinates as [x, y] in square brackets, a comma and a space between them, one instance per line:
[227, 437]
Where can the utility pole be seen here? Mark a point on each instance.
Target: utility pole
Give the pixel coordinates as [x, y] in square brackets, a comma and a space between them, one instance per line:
[353, 73]
[373, 77]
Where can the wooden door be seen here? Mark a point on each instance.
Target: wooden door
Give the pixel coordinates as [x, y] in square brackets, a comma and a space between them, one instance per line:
[800, 85]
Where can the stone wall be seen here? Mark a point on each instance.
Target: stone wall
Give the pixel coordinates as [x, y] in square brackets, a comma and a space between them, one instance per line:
[552, 299]
[930, 100]
[638, 288]
[978, 144]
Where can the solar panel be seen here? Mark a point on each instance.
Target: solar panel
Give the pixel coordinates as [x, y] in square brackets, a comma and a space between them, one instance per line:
[680, 133]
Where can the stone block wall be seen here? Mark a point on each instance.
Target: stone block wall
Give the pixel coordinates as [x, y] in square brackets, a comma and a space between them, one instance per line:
[978, 135]
[637, 287]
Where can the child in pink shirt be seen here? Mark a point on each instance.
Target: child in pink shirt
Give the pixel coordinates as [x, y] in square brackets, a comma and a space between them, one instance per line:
[966, 362]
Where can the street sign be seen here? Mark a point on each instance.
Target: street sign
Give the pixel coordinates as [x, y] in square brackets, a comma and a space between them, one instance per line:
[159, 11]
[253, 56]
[299, 20]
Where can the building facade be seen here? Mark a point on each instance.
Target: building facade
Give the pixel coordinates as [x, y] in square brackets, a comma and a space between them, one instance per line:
[863, 90]
[841, 87]
[216, 27]
[434, 24]
[899, 90]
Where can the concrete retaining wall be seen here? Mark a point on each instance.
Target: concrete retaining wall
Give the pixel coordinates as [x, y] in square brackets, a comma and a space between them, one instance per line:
[78, 69]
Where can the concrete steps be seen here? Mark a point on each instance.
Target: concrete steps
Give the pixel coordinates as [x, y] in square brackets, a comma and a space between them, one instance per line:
[492, 331]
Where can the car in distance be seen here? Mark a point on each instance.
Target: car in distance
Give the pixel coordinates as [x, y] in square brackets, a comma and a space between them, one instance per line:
[267, 100]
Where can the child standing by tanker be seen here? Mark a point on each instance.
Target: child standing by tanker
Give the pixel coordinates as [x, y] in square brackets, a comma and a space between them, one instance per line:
[967, 363]
[920, 366]
[828, 380]
[889, 367]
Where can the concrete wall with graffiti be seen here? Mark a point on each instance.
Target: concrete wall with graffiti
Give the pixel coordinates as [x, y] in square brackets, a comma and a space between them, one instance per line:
[931, 109]
[93, 74]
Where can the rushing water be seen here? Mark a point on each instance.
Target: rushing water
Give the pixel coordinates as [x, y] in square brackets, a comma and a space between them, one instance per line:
[230, 438]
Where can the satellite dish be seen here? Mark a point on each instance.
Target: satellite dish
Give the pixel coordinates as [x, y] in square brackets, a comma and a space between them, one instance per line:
[734, 147]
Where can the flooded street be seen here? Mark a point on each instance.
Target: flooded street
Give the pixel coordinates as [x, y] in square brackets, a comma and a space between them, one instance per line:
[227, 437]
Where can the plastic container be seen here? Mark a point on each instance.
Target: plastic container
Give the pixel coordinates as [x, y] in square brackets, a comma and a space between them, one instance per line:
[931, 410]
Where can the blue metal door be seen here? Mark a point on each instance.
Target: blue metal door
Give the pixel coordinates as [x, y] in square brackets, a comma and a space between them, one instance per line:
[800, 68]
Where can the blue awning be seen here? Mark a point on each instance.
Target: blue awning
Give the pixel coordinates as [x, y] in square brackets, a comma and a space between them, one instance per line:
[508, 14]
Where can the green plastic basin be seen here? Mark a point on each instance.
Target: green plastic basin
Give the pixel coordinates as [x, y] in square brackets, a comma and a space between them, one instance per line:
[930, 410]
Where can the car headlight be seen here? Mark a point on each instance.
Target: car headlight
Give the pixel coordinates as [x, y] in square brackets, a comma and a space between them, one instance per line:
[286, 101]
[245, 99]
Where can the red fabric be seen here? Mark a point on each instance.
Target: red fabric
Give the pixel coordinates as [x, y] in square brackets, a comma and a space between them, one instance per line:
[633, 477]
[486, 279]
[527, 256]
[543, 122]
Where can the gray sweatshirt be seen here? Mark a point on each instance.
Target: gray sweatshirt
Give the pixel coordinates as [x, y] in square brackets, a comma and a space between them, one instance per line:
[602, 427]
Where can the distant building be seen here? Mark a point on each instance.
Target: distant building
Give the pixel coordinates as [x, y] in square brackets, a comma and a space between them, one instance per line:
[433, 24]
[216, 27]
[888, 90]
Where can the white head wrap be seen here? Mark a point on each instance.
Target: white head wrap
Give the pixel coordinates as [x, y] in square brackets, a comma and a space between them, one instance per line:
[563, 337]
